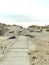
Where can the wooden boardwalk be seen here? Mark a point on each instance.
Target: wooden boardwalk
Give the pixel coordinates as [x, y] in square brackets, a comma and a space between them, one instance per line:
[18, 53]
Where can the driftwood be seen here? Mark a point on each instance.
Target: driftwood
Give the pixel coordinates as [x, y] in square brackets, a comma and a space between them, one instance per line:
[13, 37]
[11, 32]
[31, 30]
[38, 30]
[30, 36]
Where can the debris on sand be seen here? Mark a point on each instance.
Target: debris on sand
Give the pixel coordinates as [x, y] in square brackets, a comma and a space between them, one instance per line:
[12, 37]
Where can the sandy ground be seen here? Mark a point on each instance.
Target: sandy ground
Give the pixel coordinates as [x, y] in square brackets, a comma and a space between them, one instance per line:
[38, 47]
[41, 54]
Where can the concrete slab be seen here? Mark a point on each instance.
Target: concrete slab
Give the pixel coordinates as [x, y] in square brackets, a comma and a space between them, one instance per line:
[18, 53]
[21, 42]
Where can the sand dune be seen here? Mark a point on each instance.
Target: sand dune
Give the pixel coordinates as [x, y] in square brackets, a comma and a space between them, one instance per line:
[26, 46]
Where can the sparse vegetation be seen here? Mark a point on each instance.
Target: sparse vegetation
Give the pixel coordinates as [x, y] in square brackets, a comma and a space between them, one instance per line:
[40, 56]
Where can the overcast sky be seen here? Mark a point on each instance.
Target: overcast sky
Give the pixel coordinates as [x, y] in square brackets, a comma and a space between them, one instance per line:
[33, 11]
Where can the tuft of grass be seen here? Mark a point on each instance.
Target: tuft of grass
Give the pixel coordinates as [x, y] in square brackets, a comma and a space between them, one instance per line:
[34, 57]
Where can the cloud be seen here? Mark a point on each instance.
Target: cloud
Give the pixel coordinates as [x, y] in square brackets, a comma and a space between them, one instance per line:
[36, 9]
